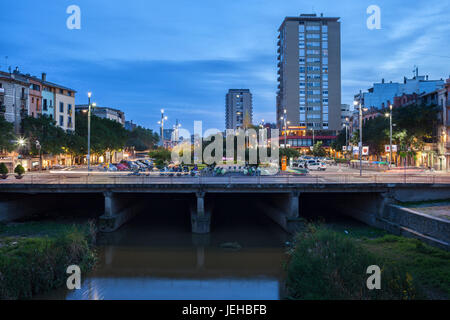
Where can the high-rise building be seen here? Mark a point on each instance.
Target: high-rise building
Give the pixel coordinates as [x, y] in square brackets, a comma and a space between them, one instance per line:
[309, 72]
[238, 108]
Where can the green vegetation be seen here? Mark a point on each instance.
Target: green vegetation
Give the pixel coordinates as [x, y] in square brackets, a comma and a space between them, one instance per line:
[34, 256]
[289, 153]
[6, 135]
[429, 266]
[418, 203]
[330, 263]
[142, 139]
[161, 156]
[3, 169]
[318, 150]
[108, 136]
[414, 126]
[19, 170]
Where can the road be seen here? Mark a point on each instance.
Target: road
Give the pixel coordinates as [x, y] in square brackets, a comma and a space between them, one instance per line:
[333, 175]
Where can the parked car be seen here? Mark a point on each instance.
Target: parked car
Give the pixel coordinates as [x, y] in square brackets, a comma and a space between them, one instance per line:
[315, 165]
[121, 167]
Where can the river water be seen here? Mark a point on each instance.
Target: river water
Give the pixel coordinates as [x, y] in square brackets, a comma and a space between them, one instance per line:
[155, 256]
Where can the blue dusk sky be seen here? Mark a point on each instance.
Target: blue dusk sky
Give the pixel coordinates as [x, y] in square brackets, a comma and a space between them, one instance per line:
[183, 56]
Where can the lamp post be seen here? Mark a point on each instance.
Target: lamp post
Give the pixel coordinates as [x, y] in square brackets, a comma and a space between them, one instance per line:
[38, 146]
[346, 133]
[360, 130]
[176, 128]
[161, 122]
[284, 119]
[389, 114]
[89, 132]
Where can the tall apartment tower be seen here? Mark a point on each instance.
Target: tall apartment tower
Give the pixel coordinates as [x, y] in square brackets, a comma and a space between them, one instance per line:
[309, 72]
[238, 108]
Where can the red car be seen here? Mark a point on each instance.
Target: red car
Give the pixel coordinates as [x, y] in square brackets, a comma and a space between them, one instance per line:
[121, 167]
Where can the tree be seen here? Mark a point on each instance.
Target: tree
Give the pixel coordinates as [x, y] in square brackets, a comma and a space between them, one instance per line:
[318, 150]
[106, 135]
[52, 139]
[6, 135]
[289, 153]
[142, 139]
[3, 169]
[161, 156]
[19, 170]
[340, 141]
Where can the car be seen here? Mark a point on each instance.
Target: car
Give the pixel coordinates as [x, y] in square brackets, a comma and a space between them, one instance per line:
[132, 165]
[121, 167]
[112, 167]
[315, 165]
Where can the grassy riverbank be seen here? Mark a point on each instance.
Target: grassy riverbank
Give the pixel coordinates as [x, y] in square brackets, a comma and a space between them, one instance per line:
[34, 256]
[330, 262]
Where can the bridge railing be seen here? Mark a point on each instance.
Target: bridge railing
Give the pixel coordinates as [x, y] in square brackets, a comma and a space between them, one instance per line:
[277, 179]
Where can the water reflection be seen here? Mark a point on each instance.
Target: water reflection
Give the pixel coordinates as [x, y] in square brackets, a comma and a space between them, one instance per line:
[155, 256]
[176, 289]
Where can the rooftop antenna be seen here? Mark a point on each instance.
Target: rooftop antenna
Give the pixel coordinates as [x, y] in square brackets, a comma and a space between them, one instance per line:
[416, 71]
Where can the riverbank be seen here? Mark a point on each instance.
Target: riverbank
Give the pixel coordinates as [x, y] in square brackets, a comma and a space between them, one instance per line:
[330, 262]
[34, 256]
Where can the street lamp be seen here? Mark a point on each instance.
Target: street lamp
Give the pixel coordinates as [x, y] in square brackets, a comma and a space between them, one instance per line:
[21, 142]
[89, 130]
[163, 119]
[38, 146]
[346, 132]
[360, 131]
[389, 114]
[284, 118]
[176, 128]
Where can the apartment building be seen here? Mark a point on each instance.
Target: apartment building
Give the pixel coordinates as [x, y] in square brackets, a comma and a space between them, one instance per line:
[238, 108]
[309, 72]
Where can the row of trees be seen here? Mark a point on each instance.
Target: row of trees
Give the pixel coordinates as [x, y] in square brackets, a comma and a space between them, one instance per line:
[106, 136]
[414, 126]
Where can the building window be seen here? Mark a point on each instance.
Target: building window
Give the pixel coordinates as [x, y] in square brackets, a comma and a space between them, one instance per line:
[69, 109]
[61, 121]
[69, 122]
[61, 107]
[44, 107]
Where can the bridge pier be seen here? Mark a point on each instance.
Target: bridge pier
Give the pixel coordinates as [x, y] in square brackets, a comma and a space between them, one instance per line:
[117, 212]
[284, 210]
[200, 217]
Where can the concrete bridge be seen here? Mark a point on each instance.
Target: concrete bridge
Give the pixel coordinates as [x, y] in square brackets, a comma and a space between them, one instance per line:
[372, 203]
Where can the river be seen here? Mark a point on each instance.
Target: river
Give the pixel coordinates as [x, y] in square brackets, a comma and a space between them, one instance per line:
[155, 256]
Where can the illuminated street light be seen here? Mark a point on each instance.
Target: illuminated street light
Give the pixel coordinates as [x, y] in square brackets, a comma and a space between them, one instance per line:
[389, 114]
[89, 130]
[360, 130]
[161, 123]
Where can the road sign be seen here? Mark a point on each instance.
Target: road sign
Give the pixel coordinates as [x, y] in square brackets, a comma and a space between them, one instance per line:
[344, 148]
[365, 151]
[387, 148]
